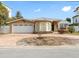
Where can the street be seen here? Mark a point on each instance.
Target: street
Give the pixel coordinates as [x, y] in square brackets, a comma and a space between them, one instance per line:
[71, 52]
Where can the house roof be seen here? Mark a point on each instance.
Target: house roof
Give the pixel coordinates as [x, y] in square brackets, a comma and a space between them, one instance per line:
[43, 19]
[75, 16]
[76, 9]
[35, 20]
[13, 21]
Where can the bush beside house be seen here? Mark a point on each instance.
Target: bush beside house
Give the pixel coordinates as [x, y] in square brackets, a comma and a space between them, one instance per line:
[71, 29]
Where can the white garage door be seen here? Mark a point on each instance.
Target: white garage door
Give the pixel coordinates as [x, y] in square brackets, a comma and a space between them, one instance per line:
[22, 29]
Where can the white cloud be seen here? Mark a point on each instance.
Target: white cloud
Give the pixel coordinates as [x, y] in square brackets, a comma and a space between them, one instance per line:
[66, 8]
[37, 10]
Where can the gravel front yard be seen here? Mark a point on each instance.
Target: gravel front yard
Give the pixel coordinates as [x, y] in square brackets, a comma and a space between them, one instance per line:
[11, 40]
[46, 41]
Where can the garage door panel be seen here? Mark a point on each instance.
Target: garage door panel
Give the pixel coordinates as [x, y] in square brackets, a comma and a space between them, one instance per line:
[22, 29]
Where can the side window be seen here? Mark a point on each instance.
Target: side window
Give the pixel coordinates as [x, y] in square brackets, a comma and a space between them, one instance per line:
[76, 20]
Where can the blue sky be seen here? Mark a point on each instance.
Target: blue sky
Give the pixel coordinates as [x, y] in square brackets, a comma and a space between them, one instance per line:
[37, 9]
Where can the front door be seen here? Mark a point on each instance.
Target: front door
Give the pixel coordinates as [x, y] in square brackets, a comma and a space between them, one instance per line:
[53, 27]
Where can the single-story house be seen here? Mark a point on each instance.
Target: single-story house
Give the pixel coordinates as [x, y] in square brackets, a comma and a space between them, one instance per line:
[30, 26]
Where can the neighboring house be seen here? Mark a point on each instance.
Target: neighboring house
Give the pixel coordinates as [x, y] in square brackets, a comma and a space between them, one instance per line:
[63, 25]
[76, 20]
[76, 17]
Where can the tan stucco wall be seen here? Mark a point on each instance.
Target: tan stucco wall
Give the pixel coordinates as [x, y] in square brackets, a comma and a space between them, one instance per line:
[37, 26]
[49, 27]
[42, 26]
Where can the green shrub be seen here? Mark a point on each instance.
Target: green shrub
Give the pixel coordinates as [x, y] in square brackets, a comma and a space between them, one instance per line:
[71, 29]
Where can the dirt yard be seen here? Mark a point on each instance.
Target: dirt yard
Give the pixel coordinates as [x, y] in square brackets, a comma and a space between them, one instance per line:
[9, 40]
[46, 41]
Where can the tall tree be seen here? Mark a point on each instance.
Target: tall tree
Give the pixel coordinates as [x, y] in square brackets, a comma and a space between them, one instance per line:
[18, 15]
[68, 19]
[3, 14]
[3, 19]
